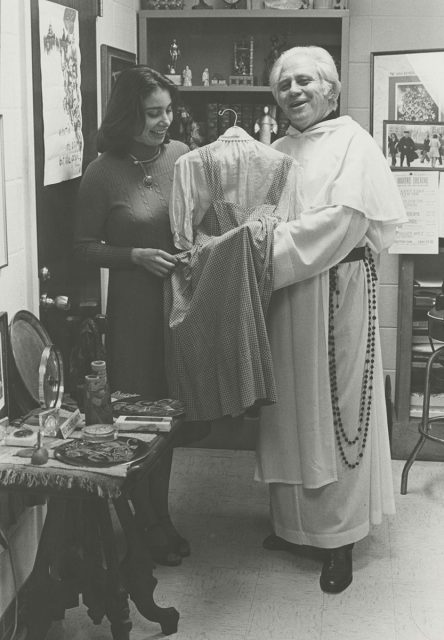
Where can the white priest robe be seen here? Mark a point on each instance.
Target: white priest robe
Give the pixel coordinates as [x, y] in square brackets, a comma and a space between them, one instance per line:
[352, 201]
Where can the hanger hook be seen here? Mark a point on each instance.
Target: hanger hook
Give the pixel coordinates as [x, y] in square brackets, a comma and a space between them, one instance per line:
[221, 113]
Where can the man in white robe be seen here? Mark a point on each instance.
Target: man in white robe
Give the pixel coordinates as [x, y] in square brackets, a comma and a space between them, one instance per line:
[327, 460]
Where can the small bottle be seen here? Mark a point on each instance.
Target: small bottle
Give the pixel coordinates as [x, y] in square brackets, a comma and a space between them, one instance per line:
[103, 394]
[92, 400]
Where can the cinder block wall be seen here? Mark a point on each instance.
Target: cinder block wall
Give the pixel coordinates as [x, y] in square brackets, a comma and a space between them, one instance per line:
[387, 25]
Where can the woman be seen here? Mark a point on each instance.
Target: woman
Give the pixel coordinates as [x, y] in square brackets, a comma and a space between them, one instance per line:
[434, 149]
[123, 225]
[393, 147]
[323, 447]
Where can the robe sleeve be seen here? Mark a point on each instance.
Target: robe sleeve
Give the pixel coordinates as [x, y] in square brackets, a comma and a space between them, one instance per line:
[320, 238]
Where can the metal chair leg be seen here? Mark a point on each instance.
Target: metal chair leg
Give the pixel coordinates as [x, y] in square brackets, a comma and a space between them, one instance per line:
[425, 420]
[411, 459]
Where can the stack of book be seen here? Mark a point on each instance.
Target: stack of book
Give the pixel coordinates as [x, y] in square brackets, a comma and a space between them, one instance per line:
[436, 404]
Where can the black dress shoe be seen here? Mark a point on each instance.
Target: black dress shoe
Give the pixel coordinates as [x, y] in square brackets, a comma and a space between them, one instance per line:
[337, 570]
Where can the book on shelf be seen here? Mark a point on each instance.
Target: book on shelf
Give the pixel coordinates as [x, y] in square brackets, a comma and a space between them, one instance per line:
[436, 399]
[416, 412]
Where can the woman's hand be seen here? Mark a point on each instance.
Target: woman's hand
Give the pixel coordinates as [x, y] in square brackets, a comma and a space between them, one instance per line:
[158, 262]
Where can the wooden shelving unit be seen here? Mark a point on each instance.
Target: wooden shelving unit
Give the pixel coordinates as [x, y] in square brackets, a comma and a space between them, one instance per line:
[206, 39]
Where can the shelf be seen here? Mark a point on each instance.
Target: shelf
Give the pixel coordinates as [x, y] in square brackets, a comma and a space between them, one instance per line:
[225, 88]
[260, 14]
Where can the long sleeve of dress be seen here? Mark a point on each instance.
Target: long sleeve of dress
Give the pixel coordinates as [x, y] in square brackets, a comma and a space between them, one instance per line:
[93, 205]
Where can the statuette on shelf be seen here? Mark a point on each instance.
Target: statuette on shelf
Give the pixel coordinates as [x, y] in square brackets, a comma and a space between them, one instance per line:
[243, 62]
[174, 55]
[266, 126]
[187, 76]
[205, 77]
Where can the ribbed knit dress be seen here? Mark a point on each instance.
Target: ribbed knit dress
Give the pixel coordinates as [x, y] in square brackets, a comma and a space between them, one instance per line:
[116, 213]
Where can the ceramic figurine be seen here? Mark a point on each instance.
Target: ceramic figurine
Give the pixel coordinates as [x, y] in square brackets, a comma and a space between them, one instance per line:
[205, 77]
[187, 76]
[174, 55]
[265, 126]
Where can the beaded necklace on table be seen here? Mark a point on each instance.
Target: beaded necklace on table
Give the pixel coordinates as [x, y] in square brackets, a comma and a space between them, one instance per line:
[359, 440]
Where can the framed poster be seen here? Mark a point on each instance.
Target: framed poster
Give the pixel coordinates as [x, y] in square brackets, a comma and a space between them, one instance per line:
[4, 398]
[406, 86]
[112, 62]
[3, 236]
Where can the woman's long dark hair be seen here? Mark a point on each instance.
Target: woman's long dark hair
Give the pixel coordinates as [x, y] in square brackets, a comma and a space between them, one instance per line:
[125, 116]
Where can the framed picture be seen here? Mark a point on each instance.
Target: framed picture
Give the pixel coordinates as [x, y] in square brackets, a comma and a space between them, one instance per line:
[413, 144]
[406, 86]
[112, 62]
[4, 398]
[3, 235]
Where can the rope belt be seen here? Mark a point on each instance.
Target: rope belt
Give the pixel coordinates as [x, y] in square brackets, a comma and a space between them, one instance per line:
[358, 253]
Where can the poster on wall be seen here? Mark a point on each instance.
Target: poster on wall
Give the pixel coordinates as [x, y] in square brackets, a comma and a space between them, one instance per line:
[61, 95]
[421, 195]
[406, 87]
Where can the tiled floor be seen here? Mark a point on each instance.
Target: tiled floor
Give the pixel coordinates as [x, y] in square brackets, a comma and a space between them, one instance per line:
[232, 589]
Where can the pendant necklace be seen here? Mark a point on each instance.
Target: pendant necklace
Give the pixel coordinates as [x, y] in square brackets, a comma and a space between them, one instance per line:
[147, 178]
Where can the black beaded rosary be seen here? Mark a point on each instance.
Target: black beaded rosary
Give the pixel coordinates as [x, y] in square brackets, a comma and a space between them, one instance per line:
[147, 178]
[365, 404]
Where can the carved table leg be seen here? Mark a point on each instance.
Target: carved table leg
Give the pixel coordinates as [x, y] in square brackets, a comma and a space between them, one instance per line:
[138, 570]
[116, 597]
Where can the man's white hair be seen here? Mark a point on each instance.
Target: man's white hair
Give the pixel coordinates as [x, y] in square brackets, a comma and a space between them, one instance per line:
[325, 66]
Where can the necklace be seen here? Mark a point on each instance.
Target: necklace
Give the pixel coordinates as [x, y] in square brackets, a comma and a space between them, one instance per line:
[147, 178]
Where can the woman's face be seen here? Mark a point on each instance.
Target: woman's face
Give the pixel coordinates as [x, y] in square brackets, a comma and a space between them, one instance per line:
[301, 93]
[158, 111]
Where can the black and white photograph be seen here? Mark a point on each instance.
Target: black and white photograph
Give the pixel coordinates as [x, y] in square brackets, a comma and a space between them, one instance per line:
[221, 319]
[413, 144]
[406, 85]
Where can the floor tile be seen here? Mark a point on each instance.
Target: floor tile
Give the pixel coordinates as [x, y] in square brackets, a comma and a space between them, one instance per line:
[230, 588]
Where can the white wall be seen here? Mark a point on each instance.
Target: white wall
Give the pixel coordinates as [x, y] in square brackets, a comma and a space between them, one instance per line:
[387, 25]
[18, 281]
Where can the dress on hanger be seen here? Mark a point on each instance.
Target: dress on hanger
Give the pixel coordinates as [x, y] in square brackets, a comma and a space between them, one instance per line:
[226, 200]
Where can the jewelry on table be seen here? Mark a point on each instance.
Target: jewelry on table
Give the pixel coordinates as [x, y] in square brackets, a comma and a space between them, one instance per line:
[147, 178]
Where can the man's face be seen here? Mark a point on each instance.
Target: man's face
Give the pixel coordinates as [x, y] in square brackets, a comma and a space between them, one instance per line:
[301, 93]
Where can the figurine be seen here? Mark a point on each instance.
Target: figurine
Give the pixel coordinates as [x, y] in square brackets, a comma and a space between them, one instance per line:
[187, 77]
[265, 126]
[174, 55]
[206, 77]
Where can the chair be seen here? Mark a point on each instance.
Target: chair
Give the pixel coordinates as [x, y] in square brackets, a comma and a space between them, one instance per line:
[435, 318]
